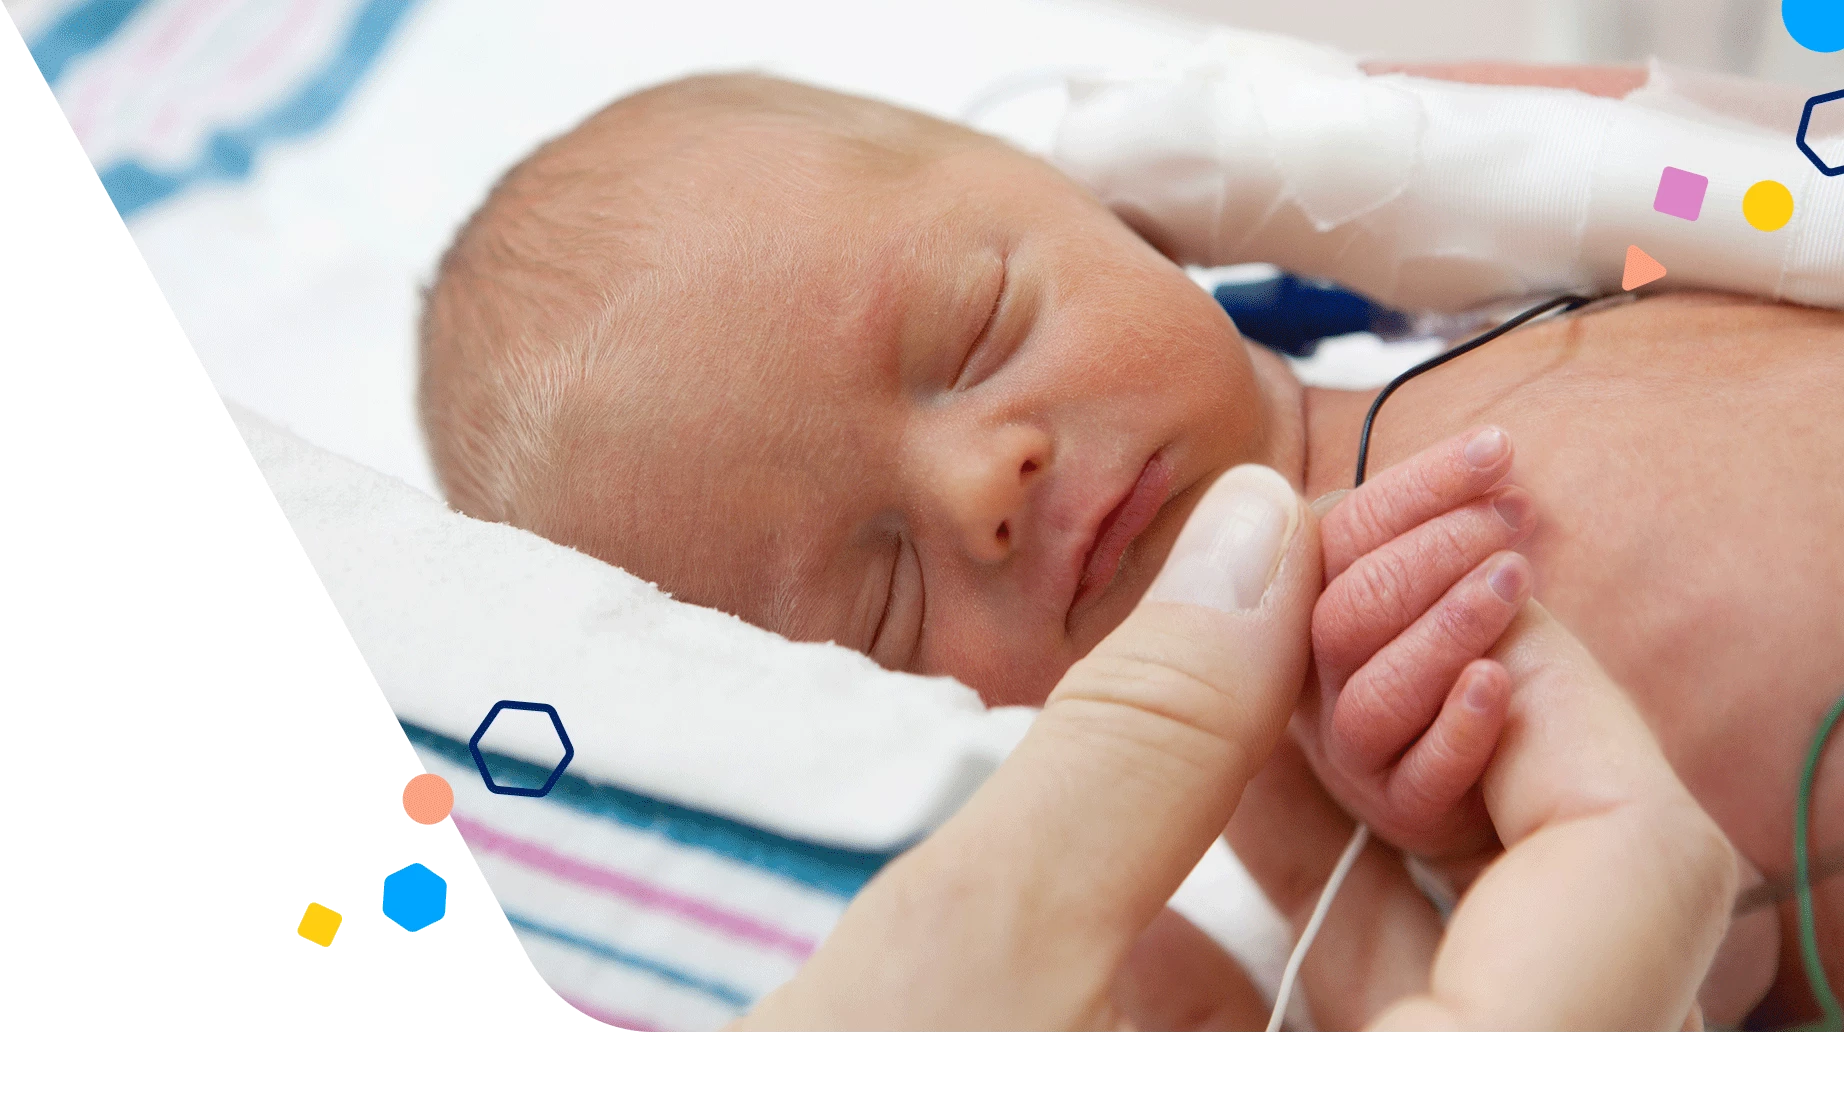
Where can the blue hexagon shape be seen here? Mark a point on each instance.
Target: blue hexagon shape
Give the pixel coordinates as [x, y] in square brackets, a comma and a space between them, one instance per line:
[1805, 125]
[480, 760]
[414, 897]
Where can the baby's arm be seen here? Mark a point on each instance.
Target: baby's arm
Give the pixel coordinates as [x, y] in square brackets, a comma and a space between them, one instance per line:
[1419, 589]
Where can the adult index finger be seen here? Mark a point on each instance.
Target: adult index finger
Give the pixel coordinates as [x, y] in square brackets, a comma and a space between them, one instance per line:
[1138, 759]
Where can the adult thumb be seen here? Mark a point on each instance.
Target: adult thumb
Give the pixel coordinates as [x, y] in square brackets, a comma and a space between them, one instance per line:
[1142, 751]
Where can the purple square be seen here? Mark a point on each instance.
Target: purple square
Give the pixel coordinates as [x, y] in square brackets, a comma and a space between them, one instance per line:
[1680, 193]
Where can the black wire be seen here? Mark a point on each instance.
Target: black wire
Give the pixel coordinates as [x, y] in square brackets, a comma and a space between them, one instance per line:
[1567, 302]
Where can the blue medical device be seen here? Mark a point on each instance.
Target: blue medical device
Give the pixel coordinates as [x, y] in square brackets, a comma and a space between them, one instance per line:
[1291, 314]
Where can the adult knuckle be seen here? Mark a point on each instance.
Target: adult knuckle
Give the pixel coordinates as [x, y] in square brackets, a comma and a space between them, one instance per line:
[1155, 702]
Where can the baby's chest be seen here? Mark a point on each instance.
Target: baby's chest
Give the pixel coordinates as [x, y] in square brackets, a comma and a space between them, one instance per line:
[1691, 531]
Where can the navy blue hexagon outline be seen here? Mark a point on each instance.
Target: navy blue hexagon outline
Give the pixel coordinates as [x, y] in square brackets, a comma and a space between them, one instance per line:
[480, 761]
[1805, 124]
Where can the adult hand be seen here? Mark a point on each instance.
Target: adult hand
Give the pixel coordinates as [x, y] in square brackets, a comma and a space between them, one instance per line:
[1604, 911]
[1613, 893]
[1031, 907]
[1039, 904]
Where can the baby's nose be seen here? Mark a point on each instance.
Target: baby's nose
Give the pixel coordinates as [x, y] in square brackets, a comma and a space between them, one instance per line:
[985, 488]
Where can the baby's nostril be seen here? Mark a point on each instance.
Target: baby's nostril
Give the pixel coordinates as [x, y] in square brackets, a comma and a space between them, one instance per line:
[1030, 465]
[1005, 531]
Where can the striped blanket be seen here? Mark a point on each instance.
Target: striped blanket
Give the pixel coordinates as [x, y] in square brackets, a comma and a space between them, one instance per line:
[638, 912]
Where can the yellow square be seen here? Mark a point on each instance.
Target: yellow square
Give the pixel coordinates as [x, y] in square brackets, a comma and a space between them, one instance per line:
[319, 924]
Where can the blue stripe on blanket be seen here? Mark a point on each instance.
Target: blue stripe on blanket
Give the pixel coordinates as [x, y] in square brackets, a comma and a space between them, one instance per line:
[829, 869]
[716, 990]
[229, 153]
[81, 29]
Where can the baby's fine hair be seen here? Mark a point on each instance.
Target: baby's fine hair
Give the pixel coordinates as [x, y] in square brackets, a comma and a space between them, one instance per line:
[539, 291]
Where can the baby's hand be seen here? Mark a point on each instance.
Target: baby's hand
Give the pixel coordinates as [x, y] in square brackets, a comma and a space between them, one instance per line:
[1418, 589]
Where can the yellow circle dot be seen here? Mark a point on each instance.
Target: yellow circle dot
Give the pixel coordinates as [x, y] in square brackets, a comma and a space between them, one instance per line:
[1768, 205]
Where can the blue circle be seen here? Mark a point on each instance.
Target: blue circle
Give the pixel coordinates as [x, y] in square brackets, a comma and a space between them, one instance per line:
[1815, 24]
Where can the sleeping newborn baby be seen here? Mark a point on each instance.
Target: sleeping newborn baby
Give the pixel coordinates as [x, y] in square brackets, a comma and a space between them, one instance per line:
[859, 375]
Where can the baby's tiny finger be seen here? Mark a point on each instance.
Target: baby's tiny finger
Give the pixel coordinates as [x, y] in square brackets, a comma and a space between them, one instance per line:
[1393, 698]
[1385, 591]
[1439, 770]
[1420, 488]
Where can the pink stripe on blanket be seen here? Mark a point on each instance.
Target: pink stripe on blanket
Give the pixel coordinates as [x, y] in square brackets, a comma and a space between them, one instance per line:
[613, 1019]
[544, 859]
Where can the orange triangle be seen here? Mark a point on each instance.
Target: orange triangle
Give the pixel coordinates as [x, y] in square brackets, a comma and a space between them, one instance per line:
[1641, 269]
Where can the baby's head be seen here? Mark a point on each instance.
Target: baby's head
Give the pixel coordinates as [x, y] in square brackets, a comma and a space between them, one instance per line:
[846, 371]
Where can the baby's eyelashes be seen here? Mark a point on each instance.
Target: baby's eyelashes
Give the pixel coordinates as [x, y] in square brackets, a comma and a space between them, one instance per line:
[898, 636]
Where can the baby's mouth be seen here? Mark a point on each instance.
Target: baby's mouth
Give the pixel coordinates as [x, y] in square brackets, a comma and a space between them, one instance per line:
[1123, 524]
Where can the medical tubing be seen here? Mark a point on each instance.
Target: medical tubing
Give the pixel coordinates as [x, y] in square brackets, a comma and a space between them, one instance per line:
[1326, 895]
[1833, 1019]
[1567, 302]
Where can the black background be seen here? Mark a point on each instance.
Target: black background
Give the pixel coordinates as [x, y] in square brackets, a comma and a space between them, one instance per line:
[251, 762]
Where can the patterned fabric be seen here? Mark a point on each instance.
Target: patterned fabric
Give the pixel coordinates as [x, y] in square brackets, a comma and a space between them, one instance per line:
[166, 94]
[641, 913]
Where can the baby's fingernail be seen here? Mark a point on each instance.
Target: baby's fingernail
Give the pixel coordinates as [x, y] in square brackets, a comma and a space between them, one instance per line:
[1323, 504]
[1230, 548]
[1513, 508]
[1487, 447]
[1510, 579]
[1478, 694]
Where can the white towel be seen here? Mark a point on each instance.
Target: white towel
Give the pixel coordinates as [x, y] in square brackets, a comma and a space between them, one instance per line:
[676, 701]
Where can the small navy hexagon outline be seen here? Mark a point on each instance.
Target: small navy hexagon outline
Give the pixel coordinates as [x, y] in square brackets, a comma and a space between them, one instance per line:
[480, 761]
[1805, 124]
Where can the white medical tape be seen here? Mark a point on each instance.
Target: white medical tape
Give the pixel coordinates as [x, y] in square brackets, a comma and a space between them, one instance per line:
[1430, 194]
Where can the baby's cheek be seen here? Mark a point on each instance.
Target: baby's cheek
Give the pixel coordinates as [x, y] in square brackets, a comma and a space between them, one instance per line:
[1006, 668]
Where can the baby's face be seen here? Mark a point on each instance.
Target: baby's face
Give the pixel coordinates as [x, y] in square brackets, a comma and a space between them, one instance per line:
[952, 417]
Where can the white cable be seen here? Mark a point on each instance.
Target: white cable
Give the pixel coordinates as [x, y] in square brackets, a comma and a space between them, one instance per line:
[1349, 858]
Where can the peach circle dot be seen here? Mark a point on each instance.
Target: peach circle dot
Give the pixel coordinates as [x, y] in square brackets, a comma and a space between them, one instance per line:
[1768, 206]
[428, 798]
